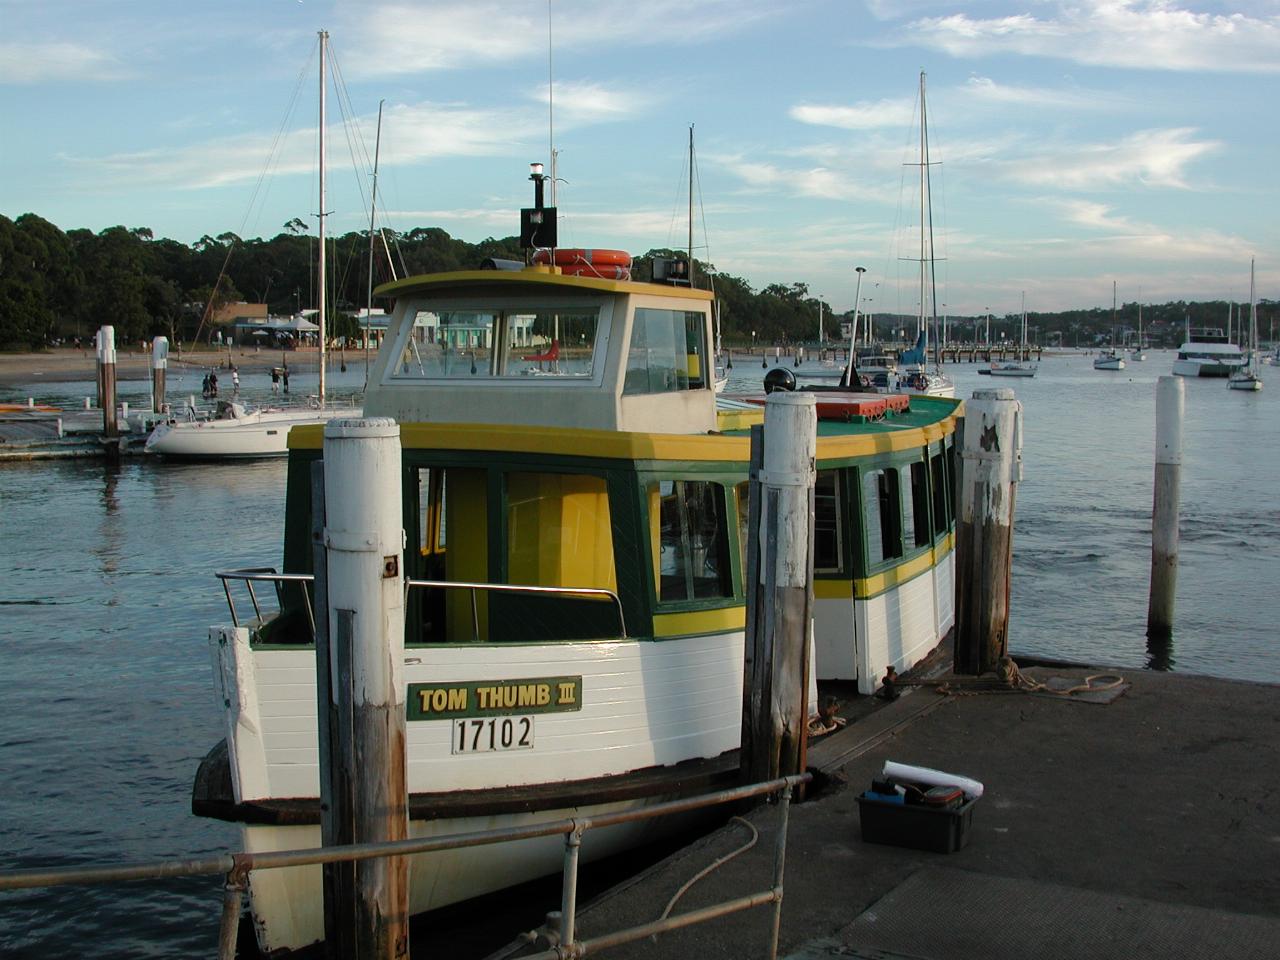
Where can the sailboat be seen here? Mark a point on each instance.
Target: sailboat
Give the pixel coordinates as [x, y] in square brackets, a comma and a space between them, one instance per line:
[1016, 367]
[1247, 378]
[236, 431]
[1110, 358]
[1138, 352]
[915, 375]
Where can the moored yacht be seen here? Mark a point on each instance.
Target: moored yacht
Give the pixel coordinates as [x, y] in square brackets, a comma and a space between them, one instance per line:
[612, 484]
[1207, 352]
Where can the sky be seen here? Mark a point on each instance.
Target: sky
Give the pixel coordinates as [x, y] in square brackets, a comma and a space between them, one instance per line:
[1072, 145]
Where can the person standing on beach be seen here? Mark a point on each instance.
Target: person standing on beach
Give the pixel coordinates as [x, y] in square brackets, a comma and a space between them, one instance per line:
[285, 377]
[213, 384]
[275, 380]
[235, 381]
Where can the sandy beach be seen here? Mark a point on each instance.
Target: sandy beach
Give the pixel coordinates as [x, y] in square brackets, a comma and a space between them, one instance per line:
[67, 363]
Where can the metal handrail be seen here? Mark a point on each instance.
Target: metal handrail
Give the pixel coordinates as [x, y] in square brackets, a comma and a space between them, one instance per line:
[236, 866]
[251, 575]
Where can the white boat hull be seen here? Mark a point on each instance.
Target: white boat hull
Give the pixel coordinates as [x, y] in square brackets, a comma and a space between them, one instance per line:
[262, 433]
[1109, 363]
[1010, 371]
[1244, 383]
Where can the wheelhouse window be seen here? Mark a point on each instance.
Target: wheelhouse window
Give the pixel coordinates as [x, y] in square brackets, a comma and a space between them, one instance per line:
[490, 342]
[690, 539]
[667, 352]
[551, 343]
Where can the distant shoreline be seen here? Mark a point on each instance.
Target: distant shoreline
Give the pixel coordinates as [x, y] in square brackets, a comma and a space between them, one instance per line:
[66, 364]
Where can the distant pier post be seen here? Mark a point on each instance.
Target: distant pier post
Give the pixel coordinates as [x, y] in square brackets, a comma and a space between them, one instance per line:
[360, 665]
[1170, 402]
[991, 469]
[107, 380]
[779, 587]
[159, 364]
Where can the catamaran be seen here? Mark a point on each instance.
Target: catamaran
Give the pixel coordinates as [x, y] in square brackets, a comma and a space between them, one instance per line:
[575, 527]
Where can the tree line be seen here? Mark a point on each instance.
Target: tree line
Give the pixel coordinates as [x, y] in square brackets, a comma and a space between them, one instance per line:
[58, 286]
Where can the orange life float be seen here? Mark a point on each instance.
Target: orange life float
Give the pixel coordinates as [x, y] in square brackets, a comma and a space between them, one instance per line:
[577, 256]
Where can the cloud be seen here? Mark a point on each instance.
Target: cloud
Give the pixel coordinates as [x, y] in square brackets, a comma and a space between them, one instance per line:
[986, 90]
[579, 102]
[30, 63]
[1143, 34]
[897, 113]
[1151, 157]
[412, 132]
[402, 38]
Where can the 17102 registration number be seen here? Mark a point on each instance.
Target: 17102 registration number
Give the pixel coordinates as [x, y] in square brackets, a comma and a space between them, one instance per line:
[488, 734]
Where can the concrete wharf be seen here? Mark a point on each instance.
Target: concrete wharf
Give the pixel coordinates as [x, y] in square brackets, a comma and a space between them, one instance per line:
[1144, 827]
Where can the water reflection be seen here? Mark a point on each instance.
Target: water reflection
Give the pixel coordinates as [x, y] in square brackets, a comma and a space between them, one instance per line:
[110, 541]
[1160, 650]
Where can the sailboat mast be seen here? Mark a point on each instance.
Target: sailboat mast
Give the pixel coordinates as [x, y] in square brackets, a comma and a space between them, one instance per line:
[373, 206]
[1253, 323]
[690, 247]
[923, 181]
[322, 300]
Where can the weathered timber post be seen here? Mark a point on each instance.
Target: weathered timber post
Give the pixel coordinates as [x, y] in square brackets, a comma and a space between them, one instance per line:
[1170, 402]
[159, 364]
[360, 640]
[991, 467]
[107, 380]
[779, 585]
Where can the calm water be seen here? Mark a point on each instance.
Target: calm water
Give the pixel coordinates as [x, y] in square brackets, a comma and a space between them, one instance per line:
[106, 685]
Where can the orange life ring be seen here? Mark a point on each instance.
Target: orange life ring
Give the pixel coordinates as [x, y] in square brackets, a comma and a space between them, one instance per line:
[599, 271]
[573, 256]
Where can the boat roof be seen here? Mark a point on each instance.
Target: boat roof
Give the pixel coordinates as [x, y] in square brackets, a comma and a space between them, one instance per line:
[535, 277]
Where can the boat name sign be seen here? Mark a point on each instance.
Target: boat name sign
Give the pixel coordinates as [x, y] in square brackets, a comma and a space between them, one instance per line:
[494, 698]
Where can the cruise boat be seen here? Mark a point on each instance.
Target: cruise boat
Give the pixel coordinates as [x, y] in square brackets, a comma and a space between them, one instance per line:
[614, 480]
[1208, 352]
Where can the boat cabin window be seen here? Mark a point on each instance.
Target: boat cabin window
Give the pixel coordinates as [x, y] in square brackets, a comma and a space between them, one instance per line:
[880, 494]
[941, 515]
[667, 352]
[691, 560]
[915, 502]
[557, 341]
[827, 528]
[547, 530]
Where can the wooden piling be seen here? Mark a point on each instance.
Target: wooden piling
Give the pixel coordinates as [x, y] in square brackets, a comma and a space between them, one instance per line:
[991, 459]
[159, 364]
[360, 648]
[1170, 403]
[107, 380]
[779, 588]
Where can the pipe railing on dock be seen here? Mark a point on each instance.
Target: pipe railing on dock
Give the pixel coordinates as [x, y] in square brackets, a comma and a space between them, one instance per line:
[252, 575]
[235, 868]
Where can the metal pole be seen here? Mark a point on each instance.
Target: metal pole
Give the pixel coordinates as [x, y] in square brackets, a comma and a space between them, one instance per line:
[1170, 402]
[779, 868]
[569, 891]
[322, 299]
[992, 468]
[363, 540]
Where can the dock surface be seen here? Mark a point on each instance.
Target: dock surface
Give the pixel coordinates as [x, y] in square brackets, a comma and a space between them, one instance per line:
[1144, 827]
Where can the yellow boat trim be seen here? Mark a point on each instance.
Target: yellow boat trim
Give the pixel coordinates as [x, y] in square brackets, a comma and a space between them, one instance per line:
[722, 620]
[867, 587]
[616, 445]
[727, 420]
[540, 276]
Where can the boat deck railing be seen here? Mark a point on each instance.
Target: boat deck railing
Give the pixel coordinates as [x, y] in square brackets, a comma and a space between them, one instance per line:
[279, 581]
[563, 942]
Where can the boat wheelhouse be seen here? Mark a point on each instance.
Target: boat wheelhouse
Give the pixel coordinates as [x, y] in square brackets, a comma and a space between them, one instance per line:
[575, 512]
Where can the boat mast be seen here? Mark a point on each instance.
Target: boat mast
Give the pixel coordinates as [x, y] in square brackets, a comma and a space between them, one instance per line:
[923, 180]
[1113, 316]
[373, 206]
[322, 301]
[690, 248]
[1253, 324]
